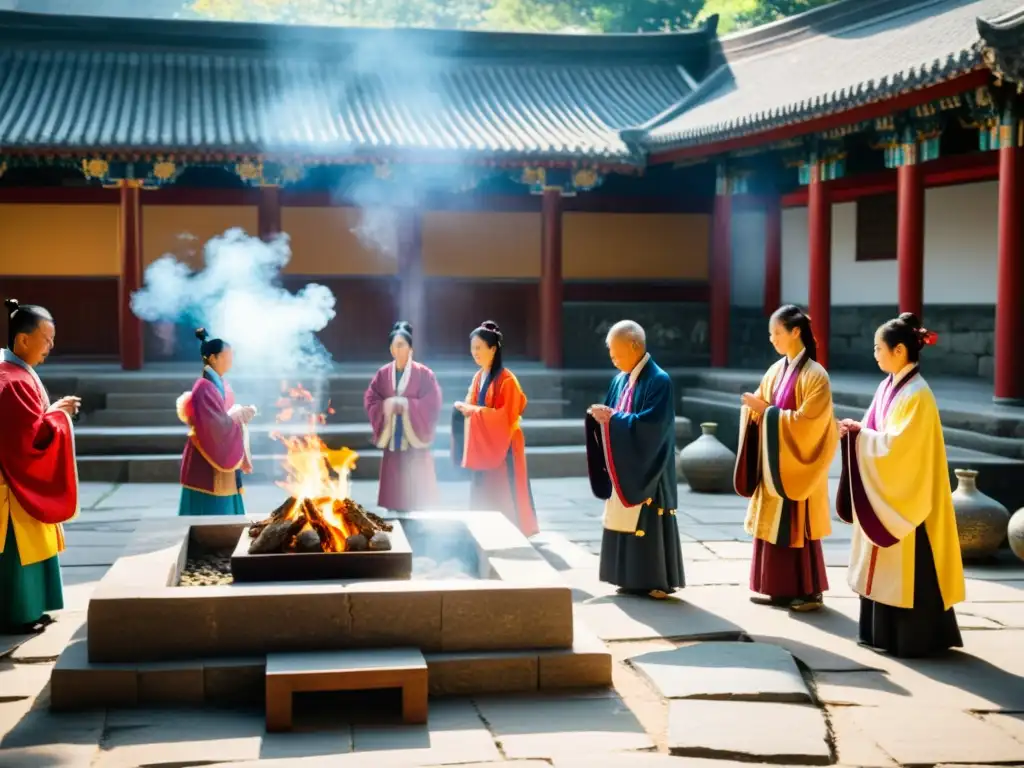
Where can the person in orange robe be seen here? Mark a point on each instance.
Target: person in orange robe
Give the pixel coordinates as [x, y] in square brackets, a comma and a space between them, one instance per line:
[487, 434]
[38, 475]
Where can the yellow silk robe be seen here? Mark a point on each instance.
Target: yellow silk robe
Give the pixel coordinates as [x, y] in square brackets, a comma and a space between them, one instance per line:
[786, 454]
[895, 477]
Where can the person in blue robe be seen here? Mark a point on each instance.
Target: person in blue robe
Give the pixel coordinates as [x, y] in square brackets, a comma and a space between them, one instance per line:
[631, 464]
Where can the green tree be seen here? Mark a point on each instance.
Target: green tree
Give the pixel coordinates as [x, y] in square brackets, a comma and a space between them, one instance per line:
[743, 14]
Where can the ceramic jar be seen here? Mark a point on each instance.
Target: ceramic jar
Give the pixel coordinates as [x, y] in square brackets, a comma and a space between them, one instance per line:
[706, 464]
[1016, 533]
[981, 521]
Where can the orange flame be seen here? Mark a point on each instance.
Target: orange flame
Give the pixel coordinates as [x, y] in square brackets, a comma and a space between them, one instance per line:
[317, 477]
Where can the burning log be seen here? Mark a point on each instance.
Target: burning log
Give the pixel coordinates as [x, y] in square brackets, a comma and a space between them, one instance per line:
[359, 518]
[275, 536]
[281, 513]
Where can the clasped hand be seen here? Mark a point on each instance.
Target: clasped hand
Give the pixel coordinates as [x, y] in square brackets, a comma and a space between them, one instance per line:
[754, 403]
[848, 426]
[602, 413]
[465, 408]
[70, 405]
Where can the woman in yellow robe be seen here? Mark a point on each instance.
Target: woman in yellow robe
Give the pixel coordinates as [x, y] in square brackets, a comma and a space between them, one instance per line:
[905, 554]
[787, 441]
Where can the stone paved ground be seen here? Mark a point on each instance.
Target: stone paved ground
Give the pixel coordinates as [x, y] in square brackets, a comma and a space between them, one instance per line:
[802, 693]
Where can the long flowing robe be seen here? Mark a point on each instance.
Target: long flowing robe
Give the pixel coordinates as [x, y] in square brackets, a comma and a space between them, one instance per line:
[631, 464]
[491, 445]
[905, 552]
[217, 449]
[38, 492]
[407, 477]
[782, 467]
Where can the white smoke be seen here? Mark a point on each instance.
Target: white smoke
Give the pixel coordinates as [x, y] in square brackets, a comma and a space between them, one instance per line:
[237, 297]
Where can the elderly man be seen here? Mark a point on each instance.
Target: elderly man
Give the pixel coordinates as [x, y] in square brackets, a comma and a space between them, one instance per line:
[38, 478]
[631, 463]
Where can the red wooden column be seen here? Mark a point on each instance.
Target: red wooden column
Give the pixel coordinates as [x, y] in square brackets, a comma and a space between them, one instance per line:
[772, 254]
[910, 236]
[551, 278]
[1009, 358]
[269, 212]
[411, 303]
[721, 274]
[819, 223]
[130, 246]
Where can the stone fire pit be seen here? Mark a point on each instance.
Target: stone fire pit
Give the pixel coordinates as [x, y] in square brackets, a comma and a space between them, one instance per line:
[149, 640]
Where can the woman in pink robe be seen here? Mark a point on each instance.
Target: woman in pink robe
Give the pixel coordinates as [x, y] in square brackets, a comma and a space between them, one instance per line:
[217, 451]
[403, 402]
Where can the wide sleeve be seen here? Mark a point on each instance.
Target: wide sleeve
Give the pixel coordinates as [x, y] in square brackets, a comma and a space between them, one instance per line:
[597, 465]
[421, 412]
[216, 436]
[488, 431]
[635, 444]
[37, 454]
[797, 446]
[374, 400]
[746, 475]
[889, 477]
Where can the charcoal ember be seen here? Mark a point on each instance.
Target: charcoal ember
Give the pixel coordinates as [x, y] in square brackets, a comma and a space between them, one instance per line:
[308, 541]
[276, 516]
[357, 517]
[275, 536]
[380, 542]
[356, 543]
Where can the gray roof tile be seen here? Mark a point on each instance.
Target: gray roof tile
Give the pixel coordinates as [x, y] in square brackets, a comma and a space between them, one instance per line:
[861, 62]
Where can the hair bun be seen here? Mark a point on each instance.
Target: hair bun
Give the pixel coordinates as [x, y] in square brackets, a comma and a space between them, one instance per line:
[12, 306]
[911, 320]
[490, 325]
[402, 325]
[201, 334]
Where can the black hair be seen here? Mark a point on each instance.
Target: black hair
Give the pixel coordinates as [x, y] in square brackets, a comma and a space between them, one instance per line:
[790, 316]
[209, 347]
[403, 329]
[490, 334]
[906, 330]
[23, 318]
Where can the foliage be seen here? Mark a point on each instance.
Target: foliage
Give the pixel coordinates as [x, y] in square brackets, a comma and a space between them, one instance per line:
[534, 15]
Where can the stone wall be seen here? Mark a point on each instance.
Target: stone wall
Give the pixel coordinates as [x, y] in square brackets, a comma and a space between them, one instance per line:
[965, 347]
[677, 332]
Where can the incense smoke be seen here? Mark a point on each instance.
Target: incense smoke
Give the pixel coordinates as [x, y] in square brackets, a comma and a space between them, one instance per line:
[236, 296]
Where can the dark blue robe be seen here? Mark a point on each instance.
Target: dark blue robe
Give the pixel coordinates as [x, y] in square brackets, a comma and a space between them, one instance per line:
[642, 451]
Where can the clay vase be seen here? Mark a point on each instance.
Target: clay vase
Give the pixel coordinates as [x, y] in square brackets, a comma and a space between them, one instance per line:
[706, 464]
[981, 521]
[1016, 533]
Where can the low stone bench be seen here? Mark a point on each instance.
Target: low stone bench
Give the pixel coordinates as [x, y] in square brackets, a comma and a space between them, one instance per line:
[357, 670]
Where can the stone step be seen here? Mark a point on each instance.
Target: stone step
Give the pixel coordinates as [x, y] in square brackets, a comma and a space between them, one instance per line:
[77, 684]
[853, 408]
[147, 416]
[542, 461]
[101, 441]
[999, 475]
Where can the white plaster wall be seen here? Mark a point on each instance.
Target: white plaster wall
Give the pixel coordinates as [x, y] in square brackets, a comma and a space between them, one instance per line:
[960, 252]
[747, 283]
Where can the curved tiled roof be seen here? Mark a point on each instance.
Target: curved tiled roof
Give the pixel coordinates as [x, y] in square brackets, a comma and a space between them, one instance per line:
[875, 50]
[232, 88]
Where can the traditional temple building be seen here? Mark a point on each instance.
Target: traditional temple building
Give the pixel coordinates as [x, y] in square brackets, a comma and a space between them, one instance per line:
[859, 158]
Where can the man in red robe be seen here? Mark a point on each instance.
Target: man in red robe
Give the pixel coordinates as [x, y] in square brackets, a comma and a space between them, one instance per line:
[38, 474]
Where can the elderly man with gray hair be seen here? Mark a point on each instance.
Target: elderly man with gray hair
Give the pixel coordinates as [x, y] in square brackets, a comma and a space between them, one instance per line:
[631, 463]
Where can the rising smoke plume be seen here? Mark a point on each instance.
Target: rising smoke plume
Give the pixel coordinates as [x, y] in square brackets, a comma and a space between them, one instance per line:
[237, 297]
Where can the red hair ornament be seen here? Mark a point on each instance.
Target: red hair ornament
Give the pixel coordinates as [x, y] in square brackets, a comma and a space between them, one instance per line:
[929, 338]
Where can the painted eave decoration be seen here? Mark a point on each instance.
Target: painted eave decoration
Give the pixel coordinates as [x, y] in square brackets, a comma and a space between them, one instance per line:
[824, 62]
[189, 89]
[1002, 45]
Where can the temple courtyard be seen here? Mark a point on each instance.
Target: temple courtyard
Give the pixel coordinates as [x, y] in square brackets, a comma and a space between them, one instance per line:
[706, 681]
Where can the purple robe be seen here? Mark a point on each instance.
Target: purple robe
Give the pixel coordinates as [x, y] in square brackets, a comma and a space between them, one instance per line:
[216, 453]
[407, 477]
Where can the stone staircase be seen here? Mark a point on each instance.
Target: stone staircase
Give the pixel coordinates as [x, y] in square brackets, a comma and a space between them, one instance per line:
[129, 431]
[978, 436]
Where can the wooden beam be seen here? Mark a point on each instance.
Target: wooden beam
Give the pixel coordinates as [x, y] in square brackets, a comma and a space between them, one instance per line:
[875, 109]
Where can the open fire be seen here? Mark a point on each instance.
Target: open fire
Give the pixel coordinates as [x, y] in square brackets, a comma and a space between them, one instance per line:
[319, 515]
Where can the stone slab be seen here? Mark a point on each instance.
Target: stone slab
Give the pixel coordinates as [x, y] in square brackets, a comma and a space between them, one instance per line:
[64, 755]
[853, 747]
[460, 674]
[645, 760]
[769, 732]
[625, 617]
[1008, 615]
[564, 726]
[737, 671]
[8, 643]
[922, 735]
[98, 555]
[987, 591]
[51, 642]
[588, 664]
[22, 681]
[76, 683]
